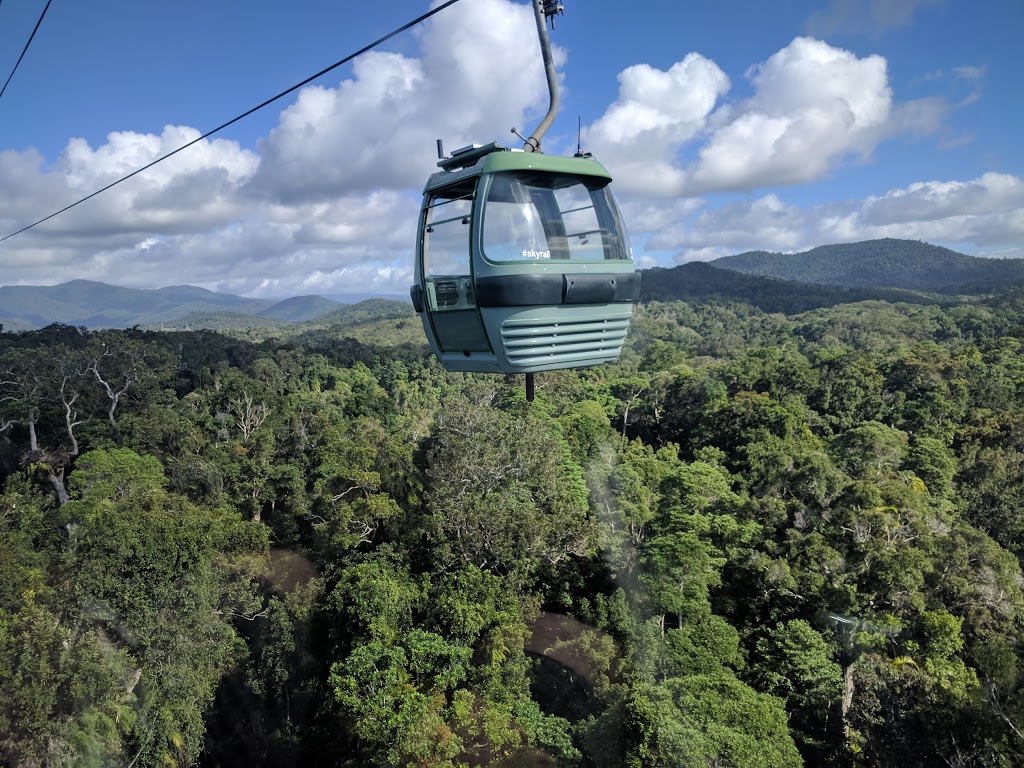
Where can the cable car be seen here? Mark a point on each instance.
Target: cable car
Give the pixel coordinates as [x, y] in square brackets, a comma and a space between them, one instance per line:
[522, 260]
[523, 263]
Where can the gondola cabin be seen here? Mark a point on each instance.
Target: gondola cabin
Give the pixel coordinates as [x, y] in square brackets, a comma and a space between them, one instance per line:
[523, 264]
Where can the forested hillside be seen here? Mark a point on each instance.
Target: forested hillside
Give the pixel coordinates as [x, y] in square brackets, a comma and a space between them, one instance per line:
[888, 263]
[757, 540]
[700, 281]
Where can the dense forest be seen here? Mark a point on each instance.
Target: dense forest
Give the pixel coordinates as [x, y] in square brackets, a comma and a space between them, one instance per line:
[759, 539]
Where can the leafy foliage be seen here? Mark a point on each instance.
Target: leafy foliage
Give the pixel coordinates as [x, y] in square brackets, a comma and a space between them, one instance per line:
[757, 539]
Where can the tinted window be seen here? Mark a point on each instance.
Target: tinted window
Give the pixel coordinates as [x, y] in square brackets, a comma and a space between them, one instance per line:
[541, 216]
[446, 235]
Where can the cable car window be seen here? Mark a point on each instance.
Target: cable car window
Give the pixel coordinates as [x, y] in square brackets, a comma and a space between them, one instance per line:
[446, 234]
[547, 216]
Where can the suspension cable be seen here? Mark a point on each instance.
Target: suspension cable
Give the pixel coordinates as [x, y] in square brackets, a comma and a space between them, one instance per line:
[25, 49]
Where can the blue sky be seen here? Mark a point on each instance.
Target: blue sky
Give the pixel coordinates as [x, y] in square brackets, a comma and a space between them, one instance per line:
[728, 126]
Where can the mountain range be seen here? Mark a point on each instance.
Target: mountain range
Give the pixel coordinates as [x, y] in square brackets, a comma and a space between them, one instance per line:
[889, 263]
[890, 270]
[98, 305]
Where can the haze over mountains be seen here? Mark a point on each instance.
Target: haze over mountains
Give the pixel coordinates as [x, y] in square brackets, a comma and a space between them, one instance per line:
[98, 305]
[892, 270]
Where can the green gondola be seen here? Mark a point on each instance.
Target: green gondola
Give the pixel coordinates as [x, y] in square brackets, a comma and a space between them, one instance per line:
[523, 264]
[522, 259]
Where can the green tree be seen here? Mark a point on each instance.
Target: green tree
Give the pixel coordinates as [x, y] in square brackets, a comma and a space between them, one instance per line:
[870, 450]
[143, 562]
[706, 720]
[497, 495]
[795, 663]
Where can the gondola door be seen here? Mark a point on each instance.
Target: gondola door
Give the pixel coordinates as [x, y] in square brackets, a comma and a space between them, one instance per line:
[447, 269]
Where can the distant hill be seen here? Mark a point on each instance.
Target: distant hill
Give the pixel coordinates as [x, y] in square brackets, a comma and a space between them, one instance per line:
[98, 305]
[889, 270]
[359, 297]
[698, 281]
[367, 311]
[889, 263]
[360, 321]
[374, 321]
[299, 309]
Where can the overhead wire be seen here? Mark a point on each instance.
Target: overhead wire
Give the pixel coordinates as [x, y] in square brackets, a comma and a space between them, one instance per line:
[25, 49]
[245, 114]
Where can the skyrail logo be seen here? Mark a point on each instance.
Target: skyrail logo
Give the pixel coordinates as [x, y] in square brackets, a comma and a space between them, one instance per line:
[532, 254]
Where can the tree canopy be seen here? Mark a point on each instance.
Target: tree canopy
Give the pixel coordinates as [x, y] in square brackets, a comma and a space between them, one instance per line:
[758, 539]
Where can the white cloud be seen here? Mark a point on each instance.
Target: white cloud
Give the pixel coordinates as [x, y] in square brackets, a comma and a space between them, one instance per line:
[651, 215]
[812, 106]
[126, 151]
[25, 189]
[337, 140]
[346, 243]
[675, 103]
[993, 194]
[656, 112]
[763, 223]
[969, 73]
[187, 193]
[480, 73]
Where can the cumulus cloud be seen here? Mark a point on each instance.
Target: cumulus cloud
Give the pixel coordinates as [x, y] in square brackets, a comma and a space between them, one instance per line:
[734, 226]
[188, 220]
[656, 112]
[474, 80]
[25, 189]
[993, 194]
[351, 244]
[812, 105]
[188, 192]
[126, 151]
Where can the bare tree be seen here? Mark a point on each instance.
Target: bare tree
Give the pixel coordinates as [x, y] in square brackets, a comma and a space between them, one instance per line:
[118, 363]
[68, 374]
[36, 383]
[249, 415]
